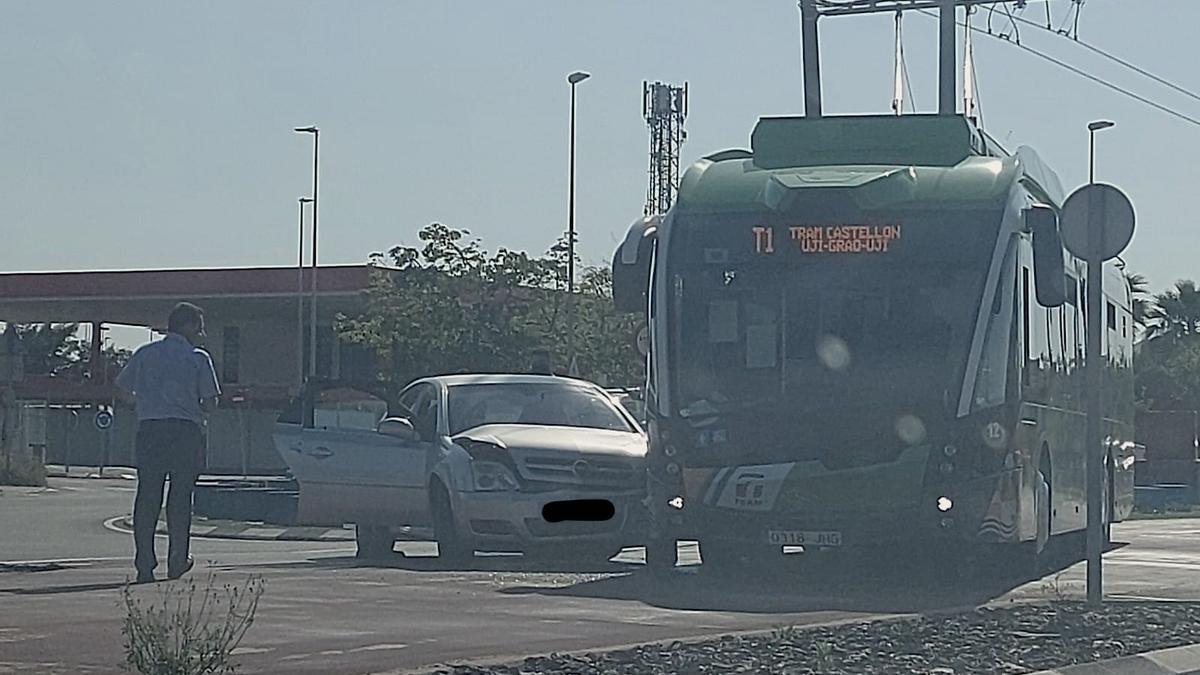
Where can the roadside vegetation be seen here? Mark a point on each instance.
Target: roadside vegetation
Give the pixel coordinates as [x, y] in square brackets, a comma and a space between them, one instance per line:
[20, 468]
[450, 305]
[1013, 639]
[186, 628]
[1168, 355]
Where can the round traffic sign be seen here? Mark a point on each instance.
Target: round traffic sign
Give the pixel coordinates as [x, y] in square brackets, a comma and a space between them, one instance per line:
[1097, 214]
[104, 420]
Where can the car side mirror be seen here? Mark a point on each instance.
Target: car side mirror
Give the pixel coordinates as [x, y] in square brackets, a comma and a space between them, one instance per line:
[398, 427]
[1049, 271]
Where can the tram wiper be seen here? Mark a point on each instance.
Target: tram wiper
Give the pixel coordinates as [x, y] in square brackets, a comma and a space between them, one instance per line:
[704, 408]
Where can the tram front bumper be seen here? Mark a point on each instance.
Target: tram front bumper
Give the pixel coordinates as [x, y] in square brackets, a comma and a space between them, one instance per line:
[963, 512]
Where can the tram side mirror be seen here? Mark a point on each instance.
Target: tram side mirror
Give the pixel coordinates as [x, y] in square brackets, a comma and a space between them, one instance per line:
[631, 267]
[1049, 272]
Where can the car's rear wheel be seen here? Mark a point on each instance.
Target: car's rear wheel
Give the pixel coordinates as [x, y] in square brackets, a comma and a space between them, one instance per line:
[374, 541]
[454, 546]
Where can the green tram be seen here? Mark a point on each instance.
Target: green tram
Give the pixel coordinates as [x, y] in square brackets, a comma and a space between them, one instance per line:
[865, 332]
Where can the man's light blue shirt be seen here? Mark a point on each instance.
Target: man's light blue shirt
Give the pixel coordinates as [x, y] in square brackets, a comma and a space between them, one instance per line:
[168, 378]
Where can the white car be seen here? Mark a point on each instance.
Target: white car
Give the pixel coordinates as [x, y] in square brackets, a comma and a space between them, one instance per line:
[534, 463]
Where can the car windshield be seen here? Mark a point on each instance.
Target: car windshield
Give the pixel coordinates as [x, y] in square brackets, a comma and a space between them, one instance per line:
[553, 404]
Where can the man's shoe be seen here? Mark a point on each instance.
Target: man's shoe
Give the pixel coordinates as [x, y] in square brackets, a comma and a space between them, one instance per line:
[187, 567]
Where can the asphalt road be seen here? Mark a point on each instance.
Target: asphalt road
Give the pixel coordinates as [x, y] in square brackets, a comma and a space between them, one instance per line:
[323, 612]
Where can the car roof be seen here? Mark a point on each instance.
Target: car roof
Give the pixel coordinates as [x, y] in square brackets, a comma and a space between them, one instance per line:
[504, 378]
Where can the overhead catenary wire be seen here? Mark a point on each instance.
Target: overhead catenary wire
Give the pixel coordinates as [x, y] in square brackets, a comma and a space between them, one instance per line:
[1115, 59]
[1084, 74]
[1011, 19]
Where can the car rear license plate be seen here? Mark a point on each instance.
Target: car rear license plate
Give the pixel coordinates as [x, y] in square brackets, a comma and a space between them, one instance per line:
[804, 538]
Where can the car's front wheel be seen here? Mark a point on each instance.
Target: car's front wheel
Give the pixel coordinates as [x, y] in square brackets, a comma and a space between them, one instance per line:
[374, 541]
[454, 547]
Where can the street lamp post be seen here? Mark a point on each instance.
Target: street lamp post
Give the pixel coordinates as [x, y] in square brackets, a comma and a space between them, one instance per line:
[1094, 457]
[1093, 127]
[300, 297]
[574, 79]
[312, 329]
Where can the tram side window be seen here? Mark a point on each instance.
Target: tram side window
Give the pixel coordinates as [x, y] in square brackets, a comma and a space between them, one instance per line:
[1073, 329]
[1056, 337]
[1036, 331]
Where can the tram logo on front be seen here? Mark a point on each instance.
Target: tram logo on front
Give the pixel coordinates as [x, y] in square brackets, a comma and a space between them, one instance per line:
[749, 490]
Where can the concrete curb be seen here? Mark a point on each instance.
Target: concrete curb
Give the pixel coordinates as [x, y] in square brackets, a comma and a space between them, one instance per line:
[1183, 660]
[110, 473]
[232, 529]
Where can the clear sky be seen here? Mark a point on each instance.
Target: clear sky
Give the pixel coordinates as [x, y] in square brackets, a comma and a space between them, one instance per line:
[158, 134]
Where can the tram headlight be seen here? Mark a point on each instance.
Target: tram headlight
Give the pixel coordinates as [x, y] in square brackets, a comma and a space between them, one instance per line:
[944, 504]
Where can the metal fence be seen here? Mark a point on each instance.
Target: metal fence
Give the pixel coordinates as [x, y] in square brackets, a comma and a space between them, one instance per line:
[239, 440]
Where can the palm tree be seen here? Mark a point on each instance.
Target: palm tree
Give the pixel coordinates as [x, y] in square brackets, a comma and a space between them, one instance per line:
[1175, 312]
[1139, 291]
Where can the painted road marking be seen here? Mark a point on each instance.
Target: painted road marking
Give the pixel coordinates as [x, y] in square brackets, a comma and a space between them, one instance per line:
[64, 561]
[378, 648]
[1157, 563]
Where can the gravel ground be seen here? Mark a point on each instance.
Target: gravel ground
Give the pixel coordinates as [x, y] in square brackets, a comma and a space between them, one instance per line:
[1019, 638]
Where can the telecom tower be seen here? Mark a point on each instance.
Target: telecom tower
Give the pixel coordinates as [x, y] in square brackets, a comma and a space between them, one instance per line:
[664, 107]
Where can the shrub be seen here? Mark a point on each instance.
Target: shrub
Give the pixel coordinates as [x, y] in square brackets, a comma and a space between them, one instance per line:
[188, 629]
[18, 468]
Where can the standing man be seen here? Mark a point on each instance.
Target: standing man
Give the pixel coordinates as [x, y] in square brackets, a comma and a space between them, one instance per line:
[173, 384]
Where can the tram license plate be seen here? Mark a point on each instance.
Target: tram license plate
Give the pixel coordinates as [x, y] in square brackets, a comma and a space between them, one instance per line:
[804, 538]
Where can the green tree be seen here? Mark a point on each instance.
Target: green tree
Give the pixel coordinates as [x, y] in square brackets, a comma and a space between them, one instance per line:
[450, 305]
[1139, 290]
[1168, 374]
[1168, 361]
[48, 348]
[1175, 313]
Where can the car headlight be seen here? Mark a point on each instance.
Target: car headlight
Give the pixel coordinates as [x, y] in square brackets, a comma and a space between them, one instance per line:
[493, 477]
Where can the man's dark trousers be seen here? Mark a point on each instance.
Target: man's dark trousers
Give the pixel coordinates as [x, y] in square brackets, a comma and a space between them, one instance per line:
[173, 448]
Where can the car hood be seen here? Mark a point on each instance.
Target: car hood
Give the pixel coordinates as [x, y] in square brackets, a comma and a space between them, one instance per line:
[573, 440]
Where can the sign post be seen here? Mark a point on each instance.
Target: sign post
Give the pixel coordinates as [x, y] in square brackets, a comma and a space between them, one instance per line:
[239, 401]
[72, 425]
[1097, 224]
[104, 422]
